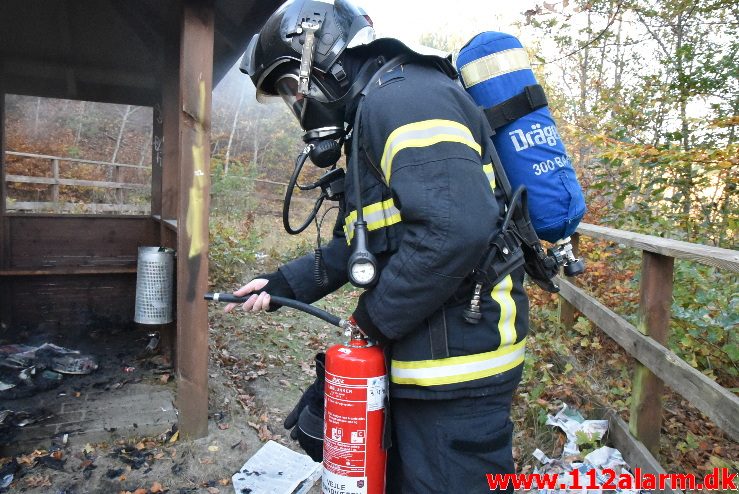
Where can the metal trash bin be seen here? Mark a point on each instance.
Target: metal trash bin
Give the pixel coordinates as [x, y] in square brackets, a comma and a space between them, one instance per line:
[154, 285]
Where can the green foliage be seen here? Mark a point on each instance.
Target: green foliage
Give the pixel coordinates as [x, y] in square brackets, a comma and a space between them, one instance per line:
[705, 319]
[232, 194]
[232, 248]
[654, 136]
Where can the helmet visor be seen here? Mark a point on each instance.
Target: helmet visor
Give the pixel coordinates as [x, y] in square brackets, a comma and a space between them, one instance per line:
[311, 112]
[287, 88]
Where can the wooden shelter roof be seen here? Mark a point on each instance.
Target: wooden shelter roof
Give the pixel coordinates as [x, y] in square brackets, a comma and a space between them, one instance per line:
[109, 50]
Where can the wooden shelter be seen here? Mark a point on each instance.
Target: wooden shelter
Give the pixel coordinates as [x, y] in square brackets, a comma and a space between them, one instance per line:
[81, 269]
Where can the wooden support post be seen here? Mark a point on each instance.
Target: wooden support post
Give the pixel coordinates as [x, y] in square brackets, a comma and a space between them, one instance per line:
[196, 85]
[5, 285]
[170, 187]
[157, 157]
[566, 309]
[166, 150]
[653, 321]
[166, 237]
[3, 187]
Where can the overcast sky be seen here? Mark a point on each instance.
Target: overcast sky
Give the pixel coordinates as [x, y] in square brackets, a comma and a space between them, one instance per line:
[408, 19]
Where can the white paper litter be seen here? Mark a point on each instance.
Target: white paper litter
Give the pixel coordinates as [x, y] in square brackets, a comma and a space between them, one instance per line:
[605, 457]
[543, 458]
[275, 469]
[571, 422]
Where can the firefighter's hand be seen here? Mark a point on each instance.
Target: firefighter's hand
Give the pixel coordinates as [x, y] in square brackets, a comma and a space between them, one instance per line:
[256, 302]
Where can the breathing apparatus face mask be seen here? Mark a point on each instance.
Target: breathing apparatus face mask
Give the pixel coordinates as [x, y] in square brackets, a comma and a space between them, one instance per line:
[319, 120]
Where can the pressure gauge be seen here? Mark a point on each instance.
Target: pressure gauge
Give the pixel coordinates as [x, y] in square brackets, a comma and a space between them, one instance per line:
[362, 272]
[362, 266]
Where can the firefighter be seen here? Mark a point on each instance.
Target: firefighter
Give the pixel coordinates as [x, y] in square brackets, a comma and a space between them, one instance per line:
[431, 206]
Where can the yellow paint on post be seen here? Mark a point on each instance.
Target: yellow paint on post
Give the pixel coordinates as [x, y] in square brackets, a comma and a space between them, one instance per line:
[195, 214]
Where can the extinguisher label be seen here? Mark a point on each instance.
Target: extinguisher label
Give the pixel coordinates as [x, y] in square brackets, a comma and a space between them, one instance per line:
[348, 403]
[332, 483]
[376, 393]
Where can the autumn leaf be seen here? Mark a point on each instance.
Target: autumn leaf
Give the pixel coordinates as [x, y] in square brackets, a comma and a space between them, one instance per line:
[37, 481]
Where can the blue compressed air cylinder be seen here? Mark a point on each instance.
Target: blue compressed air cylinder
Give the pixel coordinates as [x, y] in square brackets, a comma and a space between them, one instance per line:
[494, 67]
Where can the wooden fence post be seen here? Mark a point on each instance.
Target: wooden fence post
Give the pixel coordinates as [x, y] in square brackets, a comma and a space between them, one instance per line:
[566, 309]
[653, 321]
[117, 180]
[55, 185]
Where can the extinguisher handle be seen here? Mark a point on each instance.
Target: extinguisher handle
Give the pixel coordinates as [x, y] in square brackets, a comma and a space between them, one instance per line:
[287, 302]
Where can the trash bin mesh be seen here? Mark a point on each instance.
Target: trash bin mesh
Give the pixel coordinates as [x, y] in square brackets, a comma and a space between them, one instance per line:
[154, 280]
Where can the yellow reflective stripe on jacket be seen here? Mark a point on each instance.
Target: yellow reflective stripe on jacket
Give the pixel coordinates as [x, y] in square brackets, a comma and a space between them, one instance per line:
[424, 134]
[377, 215]
[454, 370]
[507, 322]
[490, 173]
[493, 65]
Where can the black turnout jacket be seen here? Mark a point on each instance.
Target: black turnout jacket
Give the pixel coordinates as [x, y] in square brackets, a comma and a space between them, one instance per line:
[431, 205]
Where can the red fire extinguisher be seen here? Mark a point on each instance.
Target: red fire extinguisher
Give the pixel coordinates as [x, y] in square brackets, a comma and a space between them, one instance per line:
[353, 458]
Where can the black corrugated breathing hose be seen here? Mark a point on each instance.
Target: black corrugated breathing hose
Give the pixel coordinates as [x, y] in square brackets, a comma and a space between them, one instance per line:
[287, 302]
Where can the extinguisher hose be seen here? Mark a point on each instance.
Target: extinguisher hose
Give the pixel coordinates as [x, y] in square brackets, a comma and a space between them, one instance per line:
[287, 302]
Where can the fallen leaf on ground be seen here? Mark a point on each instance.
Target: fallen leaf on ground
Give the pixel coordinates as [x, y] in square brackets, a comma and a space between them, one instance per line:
[264, 433]
[156, 487]
[38, 481]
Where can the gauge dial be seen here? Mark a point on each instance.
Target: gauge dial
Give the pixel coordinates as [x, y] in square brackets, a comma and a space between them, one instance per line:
[363, 272]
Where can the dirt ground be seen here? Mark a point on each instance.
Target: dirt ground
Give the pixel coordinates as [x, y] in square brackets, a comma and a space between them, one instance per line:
[259, 364]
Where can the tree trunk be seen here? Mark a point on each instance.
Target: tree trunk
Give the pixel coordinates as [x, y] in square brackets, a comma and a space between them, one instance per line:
[79, 125]
[687, 179]
[120, 133]
[233, 129]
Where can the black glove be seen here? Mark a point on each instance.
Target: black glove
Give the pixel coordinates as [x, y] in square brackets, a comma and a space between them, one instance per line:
[278, 286]
[306, 419]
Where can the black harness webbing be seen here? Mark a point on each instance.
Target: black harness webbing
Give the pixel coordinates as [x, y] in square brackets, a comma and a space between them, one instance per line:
[530, 99]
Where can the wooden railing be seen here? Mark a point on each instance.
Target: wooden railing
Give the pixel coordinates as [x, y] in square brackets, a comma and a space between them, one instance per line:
[55, 181]
[656, 364]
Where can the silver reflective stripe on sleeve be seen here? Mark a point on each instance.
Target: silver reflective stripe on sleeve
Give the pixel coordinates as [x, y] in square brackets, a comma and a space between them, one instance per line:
[377, 215]
[493, 65]
[455, 370]
[424, 134]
